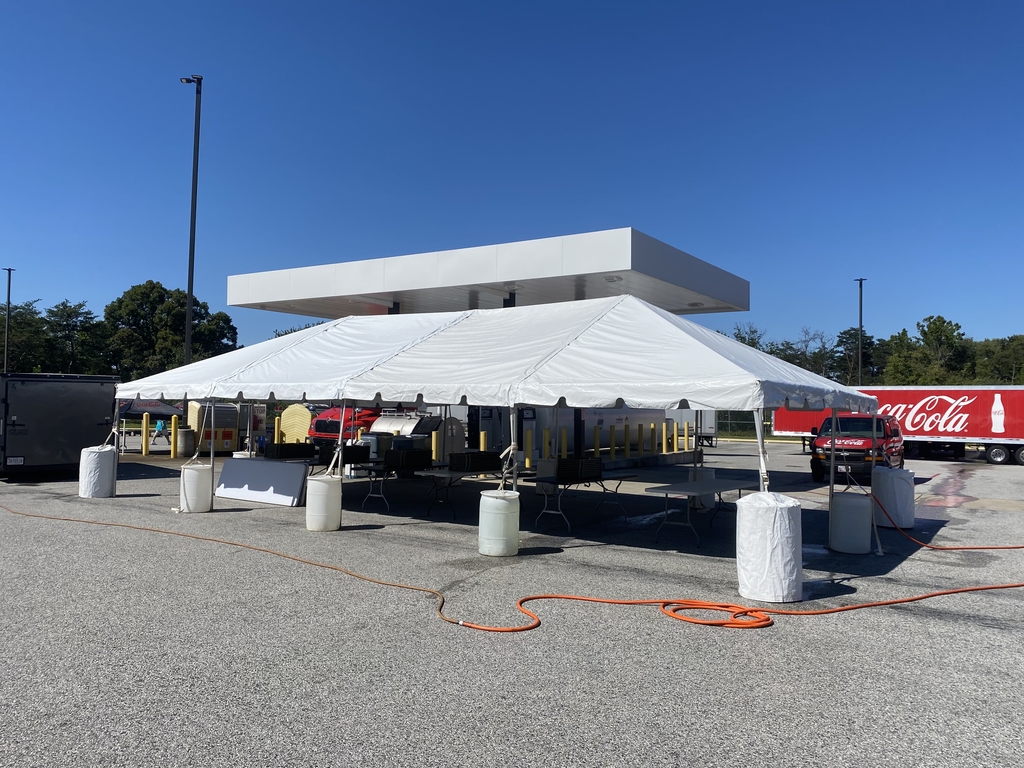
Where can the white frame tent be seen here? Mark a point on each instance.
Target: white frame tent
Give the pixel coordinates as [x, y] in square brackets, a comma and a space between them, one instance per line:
[599, 353]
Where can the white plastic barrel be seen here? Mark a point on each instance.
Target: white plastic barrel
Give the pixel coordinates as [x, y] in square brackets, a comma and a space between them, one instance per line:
[323, 503]
[894, 488]
[196, 491]
[706, 500]
[499, 523]
[97, 472]
[849, 523]
[769, 548]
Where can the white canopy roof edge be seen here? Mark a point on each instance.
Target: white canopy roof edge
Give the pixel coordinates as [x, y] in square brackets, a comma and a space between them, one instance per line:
[585, 354]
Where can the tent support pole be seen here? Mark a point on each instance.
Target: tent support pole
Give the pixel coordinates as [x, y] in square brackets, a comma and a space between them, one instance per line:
[762, 453]
[213, 447]
[832, 462]
[514, 412]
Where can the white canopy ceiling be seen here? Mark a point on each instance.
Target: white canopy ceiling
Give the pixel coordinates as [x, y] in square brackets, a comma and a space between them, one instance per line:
[587, 354]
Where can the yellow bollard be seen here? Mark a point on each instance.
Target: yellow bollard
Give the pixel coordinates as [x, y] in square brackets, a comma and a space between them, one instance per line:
[625, 429]
[597, 442]
[686, 436]
[145, 434]
[277, 430]
[528, 453]
[654, 440]
[564, 453]
[434, 445]
[639, 440]
[359, 433]
[174, 437]
[664, 437]
[611, 442]
[675, 436]
[483, 441]
[546, 450]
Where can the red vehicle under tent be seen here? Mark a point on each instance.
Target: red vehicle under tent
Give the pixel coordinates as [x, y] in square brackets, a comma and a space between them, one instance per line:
[938, 418]
[326, 426]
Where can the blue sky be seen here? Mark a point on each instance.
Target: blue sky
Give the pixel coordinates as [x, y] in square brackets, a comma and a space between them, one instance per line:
[799, 145]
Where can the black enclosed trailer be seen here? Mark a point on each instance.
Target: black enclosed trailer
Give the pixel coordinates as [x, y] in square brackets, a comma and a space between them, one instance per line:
[48, 418]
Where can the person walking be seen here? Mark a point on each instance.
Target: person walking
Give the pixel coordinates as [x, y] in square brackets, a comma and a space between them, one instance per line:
[161, 431]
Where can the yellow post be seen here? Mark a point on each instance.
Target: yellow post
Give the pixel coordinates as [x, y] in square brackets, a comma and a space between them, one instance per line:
[625, 429]
[664, 437]
[546, 450]
[359, 433]
[174, 437]
[675, 436]
[277, 430]
[686, 436]
[654, 440]
[145, 434]
[639, 440]
[434, 445]
[611, 442]
[597, 442]
[483, 441]
[565, 443]
[397, 433]
[528, 452]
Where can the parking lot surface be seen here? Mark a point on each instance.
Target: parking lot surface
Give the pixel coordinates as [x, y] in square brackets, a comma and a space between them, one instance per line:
[124, 646]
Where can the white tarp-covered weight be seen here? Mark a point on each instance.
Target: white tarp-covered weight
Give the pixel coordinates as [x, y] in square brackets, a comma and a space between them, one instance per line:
[97, 472]
[894, 488]
[769, 543]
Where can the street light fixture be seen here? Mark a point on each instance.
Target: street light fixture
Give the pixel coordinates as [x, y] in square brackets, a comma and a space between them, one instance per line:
[198, 80]
[860, 327]
[7, 317]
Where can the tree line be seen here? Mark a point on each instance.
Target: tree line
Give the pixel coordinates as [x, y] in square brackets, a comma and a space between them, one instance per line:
[938, 353]
[142, 332]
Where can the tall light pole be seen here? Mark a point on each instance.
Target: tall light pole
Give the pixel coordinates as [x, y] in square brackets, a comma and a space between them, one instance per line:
[7, 320]
[860, 327]
[198, 80]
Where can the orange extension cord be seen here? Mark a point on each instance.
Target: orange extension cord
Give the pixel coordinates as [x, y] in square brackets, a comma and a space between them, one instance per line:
[739, 617]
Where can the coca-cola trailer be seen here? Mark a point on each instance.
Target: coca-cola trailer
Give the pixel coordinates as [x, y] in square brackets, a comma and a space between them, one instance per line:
[937, 418]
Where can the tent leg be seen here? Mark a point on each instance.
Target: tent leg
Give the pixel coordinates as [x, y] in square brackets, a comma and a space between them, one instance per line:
[762, 453]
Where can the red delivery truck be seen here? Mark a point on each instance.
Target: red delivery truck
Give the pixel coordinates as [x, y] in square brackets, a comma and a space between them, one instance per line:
[934, 418]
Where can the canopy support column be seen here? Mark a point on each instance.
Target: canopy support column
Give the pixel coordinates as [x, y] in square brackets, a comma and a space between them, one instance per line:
[762, 452]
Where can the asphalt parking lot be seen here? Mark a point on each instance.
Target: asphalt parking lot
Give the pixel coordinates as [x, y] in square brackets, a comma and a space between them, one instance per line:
[130, 647]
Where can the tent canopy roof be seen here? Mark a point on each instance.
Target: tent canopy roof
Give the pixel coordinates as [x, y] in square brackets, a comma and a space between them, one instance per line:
[598, 353]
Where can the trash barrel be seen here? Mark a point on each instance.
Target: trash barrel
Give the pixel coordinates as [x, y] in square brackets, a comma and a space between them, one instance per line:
[186, 442]
[894, 488]
[769, 544]
[849, 523]
[323, 503]
[97, 472]
[499, 523]
[196, 489]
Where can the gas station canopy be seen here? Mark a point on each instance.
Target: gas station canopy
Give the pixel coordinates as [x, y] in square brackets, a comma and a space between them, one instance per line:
[592, 265]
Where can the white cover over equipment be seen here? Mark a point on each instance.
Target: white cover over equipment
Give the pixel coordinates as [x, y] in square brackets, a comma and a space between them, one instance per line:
[97, 472]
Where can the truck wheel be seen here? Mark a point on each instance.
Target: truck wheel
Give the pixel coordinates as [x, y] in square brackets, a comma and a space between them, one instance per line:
[959, 451]
[997, 454]
[817, 475]
[1018, 455]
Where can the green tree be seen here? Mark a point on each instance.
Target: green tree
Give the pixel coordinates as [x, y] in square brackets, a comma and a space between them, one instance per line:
[846, 357]
[278, 333]
[999, 361]
[146, 327]
[25, 351]
[75, 340]
[749, 334]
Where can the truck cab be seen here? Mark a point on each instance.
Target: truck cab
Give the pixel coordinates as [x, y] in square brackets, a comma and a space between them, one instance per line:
[854, 451]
